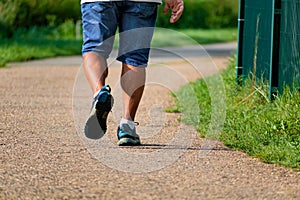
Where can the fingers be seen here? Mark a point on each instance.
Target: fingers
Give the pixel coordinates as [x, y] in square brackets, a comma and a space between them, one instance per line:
[176, 12]
[177, 9]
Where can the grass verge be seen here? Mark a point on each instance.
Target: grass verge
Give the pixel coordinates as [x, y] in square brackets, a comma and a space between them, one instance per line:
[200, 36]
[269, 130]
[39, 43]
[15, 51]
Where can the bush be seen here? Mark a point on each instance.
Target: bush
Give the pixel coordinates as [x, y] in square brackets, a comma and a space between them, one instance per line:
[27, 13]
[6, 31]
[204, 14]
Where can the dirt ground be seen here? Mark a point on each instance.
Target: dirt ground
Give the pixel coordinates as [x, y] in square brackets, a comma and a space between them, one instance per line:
[44, 154]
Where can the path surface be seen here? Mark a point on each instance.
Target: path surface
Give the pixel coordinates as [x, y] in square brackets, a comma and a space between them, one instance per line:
[42, 156]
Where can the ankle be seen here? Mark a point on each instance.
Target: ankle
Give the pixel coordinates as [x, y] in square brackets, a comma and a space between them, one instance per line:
[96, 93]
[103, 88]
[128, 121]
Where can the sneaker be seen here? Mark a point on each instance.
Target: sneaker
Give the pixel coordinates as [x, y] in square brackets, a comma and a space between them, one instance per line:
[127, 136]
[95, 126]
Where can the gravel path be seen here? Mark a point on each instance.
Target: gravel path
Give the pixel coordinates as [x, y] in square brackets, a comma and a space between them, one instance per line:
[44, 155]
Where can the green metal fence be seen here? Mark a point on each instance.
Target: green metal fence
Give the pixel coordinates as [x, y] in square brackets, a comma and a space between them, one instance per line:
[269, 42]
[289, 63]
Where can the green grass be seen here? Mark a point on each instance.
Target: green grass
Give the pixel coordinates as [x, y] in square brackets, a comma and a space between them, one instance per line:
[44, 42]
[165, 37]
[212, 35]
[14, 50]
[269, 130]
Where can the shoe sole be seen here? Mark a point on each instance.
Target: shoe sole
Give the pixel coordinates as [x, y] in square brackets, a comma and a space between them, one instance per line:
[97, 119]
[128, 142]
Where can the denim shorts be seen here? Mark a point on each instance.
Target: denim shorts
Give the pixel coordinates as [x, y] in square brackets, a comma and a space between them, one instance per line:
[135, 22]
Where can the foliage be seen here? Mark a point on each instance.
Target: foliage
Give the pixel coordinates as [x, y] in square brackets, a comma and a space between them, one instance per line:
[203, 14]
[266, 129]
[27, 13]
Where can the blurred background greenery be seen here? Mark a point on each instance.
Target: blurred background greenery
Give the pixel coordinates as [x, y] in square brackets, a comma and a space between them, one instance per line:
[27, 26]
[24, 14]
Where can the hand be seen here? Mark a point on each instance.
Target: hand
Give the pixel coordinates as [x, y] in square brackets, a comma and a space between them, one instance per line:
[177, 8]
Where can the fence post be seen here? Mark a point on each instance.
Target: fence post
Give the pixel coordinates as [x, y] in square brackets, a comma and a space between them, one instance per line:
[275, 54]
[241, 22]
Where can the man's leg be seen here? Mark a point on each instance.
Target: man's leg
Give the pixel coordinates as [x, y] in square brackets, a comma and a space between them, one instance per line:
[96, 71]
[136, 28]
[133, 83]
[100, 20]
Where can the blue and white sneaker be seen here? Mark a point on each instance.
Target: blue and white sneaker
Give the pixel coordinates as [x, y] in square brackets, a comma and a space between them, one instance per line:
[95, 126]
[127, 136]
